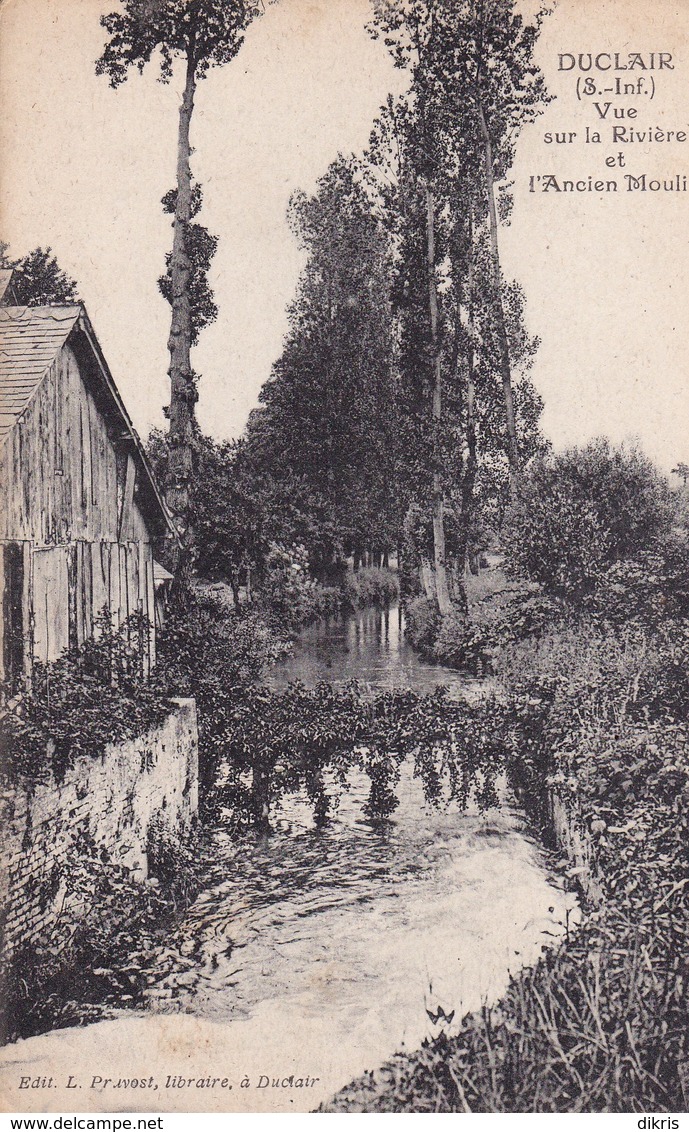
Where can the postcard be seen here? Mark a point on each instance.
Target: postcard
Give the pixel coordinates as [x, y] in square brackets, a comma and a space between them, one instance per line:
[345, 463]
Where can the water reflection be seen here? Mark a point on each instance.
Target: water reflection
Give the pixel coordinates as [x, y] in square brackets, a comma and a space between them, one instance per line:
[443, 880]
[369, 646]
[347, 937]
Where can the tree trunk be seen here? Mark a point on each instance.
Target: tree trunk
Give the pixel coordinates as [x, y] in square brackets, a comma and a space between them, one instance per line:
[427, 578]
[441, 586]
[469, 478]
[505, 367]
[182, 392]
[234, 582]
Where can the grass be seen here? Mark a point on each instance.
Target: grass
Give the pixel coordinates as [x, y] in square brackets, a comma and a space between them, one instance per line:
[598, 1026]
[499, 611]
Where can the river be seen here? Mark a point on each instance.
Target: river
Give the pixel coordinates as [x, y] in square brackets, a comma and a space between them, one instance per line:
[314, 955]
[368, 646]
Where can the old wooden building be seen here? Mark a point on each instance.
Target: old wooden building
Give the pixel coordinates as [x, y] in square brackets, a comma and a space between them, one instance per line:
[81, 513]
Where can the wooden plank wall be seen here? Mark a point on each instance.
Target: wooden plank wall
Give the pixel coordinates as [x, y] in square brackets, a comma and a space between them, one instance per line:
[49, 602]
[65, 477]
[69, 486]
[73, 583]
[22, 552]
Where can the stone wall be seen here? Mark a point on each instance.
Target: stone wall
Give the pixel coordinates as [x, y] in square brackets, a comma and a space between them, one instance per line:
[104, 807]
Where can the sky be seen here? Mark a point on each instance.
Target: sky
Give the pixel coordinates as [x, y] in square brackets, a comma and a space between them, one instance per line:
[606, 275]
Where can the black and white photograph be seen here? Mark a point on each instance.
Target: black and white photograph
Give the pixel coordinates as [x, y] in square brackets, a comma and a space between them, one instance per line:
[344, 557]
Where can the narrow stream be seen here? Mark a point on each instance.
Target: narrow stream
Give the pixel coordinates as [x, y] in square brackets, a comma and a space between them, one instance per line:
[368, 646]
[319, 953]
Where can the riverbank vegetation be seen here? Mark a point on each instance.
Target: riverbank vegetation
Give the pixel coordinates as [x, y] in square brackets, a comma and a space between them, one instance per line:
[256, 748]
[595, 534]
[399, 415]
[94, 695]
[370, 585]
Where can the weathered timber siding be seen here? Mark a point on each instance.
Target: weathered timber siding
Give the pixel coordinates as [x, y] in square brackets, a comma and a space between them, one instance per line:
[15, 656]
[70, 500]
[106, 803]
[65, 477]
[66, 587]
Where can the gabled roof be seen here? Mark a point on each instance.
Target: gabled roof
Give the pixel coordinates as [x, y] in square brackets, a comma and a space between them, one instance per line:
[30, 340]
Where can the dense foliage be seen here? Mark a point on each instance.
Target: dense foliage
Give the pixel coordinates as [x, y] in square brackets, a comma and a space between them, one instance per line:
[596, 533]
[403, 385]
[584, 512]
[38, 279]
[310, 739]
[194, 37]
[370, 585]
[469, 415]
[200, 246]
[95, 695]
[231, 518]
[97, 956]
[288, 595]
[215, 654]
[324, 436]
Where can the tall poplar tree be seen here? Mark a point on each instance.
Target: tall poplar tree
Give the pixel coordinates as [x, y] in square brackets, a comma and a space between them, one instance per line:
[200, 34]
[416, 131]
[475, 58]
[452, 420]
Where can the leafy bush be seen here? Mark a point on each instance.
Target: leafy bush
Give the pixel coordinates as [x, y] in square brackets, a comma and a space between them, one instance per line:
[421, 624]
[499, 613]
[368, 586]
[173, 860]
[93, 696]
[563, 688]
[281, 743]
[214, 654]
[228, 509]
[96, 957]
[461, 643]
[652, 587]
[288, 593]
[581, 512]
[207, 647]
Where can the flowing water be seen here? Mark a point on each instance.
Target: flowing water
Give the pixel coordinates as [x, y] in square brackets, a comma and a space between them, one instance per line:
[319, 953]
[369, 646]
